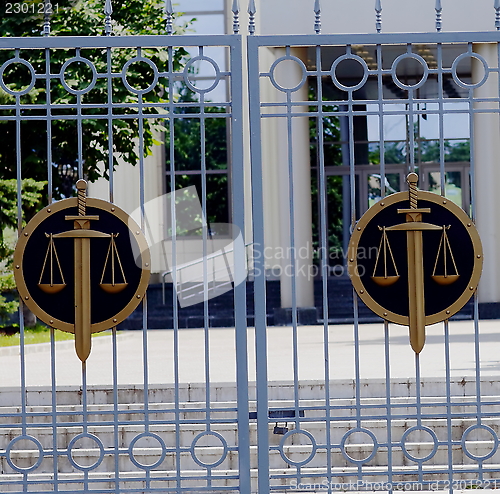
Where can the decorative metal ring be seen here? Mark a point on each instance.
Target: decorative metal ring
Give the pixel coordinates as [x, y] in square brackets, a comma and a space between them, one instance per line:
[101, 452]
[422, 62]
[9, 451]
[190, 85]
[341, 86]
[215, 463]
[153, 465]
[311, 455]
[487, 429]
[457, 79]
[364, 431]
[133, 89]
[419, 428]
[86, 62]
[26, 64]
[280, 87]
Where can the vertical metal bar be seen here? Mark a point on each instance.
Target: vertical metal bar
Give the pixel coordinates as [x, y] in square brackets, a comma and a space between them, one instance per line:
[236, 16]
[388, 404]
[378, 15]
[48, 100]
[240, 314]
[169, 11]
[324, 259]
[173, 222]
[497, 14]
[116, 417]
[259, 267]
[46, 18]
[108, 11]
[53, 382]
[317, 16]
[79, 129]
[449, 422]
[411, 117]
[439, 10]
[380, 87]
[293, 259]
[252, 10]
[441, 119]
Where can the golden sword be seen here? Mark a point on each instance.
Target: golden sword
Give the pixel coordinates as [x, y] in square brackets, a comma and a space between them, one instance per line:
[82, 235]
[414, 228]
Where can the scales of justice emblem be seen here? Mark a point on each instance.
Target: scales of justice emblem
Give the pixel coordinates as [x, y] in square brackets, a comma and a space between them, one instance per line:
[415, 259]
[82, 265]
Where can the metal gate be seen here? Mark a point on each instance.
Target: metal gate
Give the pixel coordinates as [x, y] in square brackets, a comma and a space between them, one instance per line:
[298, 407]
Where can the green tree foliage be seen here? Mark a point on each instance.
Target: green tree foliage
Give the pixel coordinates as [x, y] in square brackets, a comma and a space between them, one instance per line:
[187, 151]
[31, 197]
[83, 18]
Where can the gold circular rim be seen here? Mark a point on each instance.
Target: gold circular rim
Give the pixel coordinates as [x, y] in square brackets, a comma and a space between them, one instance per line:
[353, 264]
[71, 203]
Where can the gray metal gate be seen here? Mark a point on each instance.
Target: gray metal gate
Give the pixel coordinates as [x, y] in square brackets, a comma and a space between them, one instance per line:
[318, 408]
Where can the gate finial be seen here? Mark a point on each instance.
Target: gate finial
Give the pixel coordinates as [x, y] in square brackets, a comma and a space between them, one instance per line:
[108, 10]
[439, 10]
[46, 19]
[252, 10]
[497, 14]
[378, 10]
[236, 16]
[317, 21]
[169, 10]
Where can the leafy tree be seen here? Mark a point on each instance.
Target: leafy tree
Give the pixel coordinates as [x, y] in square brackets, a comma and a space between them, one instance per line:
[31, 194]
[187, 154]
[83, 18]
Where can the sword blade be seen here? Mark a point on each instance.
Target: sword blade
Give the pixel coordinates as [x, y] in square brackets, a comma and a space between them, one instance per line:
[82, 298]
[416, 290]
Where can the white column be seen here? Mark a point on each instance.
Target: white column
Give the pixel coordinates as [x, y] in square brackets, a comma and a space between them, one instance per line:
[302, 219]
[487, 166]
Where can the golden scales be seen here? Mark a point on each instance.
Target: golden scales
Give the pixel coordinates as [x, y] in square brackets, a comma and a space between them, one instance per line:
[385, 252]
[52, 259]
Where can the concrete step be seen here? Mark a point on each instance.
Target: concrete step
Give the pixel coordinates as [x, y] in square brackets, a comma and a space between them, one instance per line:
[283, 479]
[186, 432]
[226, 392]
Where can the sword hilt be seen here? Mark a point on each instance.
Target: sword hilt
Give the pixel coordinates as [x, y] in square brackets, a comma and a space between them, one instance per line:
[412, 180]
[81, 187]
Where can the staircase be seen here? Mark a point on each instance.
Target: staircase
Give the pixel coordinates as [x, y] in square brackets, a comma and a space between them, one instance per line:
[169, 450]
[221, 308]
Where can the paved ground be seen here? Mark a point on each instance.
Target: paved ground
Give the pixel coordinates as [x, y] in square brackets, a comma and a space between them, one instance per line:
[132, 346]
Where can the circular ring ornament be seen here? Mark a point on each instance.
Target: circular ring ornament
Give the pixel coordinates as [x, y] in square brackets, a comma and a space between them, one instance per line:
[487, 429]
[419, 59]
[156, 463]
[457, 79]
[39, 460]
[391, 302]
[86, 62]
[311, 455]
[215, 463]
[419, 428]
[29, 67]
[341, 86]
[279, 87]
[186, 74]
[130, 87]
[99, 445]
[346, 437]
